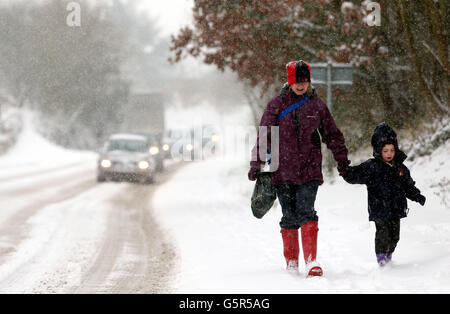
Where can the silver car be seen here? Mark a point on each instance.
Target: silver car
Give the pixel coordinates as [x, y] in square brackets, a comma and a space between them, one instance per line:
[126, 157]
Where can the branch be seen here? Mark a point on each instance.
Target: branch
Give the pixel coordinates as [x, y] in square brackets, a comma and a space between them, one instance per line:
[436, 99]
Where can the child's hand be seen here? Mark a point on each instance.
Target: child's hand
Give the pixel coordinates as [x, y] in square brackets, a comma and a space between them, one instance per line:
[421, 199]
[343, 167]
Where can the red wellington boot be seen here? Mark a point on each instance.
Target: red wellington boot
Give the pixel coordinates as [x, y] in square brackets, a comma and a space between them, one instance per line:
[291, 248]
[309, 243]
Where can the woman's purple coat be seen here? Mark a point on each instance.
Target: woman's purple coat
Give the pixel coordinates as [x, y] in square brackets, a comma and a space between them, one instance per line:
[304, 165]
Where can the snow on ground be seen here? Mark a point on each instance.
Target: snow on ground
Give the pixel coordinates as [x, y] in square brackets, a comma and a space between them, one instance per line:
[28, 173]
[205, 209]
[61, 241]
[33, 152]
[222, 248]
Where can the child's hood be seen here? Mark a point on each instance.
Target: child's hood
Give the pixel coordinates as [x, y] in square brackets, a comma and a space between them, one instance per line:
[382, 135]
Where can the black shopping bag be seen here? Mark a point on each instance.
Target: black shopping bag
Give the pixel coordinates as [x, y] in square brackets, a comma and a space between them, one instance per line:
[264, 195]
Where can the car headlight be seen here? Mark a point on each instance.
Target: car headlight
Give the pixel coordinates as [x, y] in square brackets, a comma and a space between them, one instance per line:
[165, 147]
[105, 163]
[153, 150]
[143, 165]
[214, 138]
[189, 147]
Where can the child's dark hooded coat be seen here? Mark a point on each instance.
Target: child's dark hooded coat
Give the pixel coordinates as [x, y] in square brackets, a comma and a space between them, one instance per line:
[388, 185]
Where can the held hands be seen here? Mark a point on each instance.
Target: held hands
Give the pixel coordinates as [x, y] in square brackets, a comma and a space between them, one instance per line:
[343, 167]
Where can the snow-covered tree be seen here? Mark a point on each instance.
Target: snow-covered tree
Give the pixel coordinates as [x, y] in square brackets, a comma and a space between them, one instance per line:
[401, 66]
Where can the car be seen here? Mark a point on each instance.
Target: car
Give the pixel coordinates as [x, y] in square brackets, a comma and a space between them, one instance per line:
[191, 143]
[210, 138]
[178, 144]
[126, 157]
[155, 149]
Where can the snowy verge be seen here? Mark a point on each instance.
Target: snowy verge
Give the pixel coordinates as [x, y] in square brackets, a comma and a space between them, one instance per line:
[10, 127]
[31, 151]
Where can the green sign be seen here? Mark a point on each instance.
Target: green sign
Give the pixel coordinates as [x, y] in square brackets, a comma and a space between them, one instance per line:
[331, 74]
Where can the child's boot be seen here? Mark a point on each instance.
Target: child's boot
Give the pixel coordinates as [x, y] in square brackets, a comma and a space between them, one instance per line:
[389, 257]
[382, 259]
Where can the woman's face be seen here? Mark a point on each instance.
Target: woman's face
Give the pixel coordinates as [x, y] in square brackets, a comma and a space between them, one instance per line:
[300, 88]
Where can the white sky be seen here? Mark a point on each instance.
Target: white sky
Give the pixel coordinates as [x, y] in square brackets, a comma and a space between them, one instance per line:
[171, 15]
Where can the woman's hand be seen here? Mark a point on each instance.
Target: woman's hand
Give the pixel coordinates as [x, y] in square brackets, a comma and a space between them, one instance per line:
[252, 174]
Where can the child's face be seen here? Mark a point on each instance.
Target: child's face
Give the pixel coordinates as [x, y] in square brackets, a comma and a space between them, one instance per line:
[388, 152]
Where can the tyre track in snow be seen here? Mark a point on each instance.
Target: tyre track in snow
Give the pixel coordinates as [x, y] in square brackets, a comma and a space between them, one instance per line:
[41, 181]
[94, 279]
[135, 257]
[58, 236]
[34, 196]
[22, 174]
[22, 197]
[132, 254]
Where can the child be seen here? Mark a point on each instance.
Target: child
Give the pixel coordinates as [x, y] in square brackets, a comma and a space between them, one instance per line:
[388, 185]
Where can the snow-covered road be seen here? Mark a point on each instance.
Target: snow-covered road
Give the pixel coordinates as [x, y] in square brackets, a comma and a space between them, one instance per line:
[62, 232]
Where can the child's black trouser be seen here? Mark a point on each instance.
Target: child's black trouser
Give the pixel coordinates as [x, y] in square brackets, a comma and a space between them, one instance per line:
[387, 236]
[297, 203]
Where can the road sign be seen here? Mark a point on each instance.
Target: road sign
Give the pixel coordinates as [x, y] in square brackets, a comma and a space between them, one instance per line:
[331, 74]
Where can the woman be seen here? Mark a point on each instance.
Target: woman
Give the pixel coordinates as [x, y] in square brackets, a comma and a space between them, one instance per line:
[299, 171]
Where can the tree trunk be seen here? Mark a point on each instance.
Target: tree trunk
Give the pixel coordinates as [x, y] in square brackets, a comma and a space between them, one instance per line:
[438, 27]
[424, 86]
